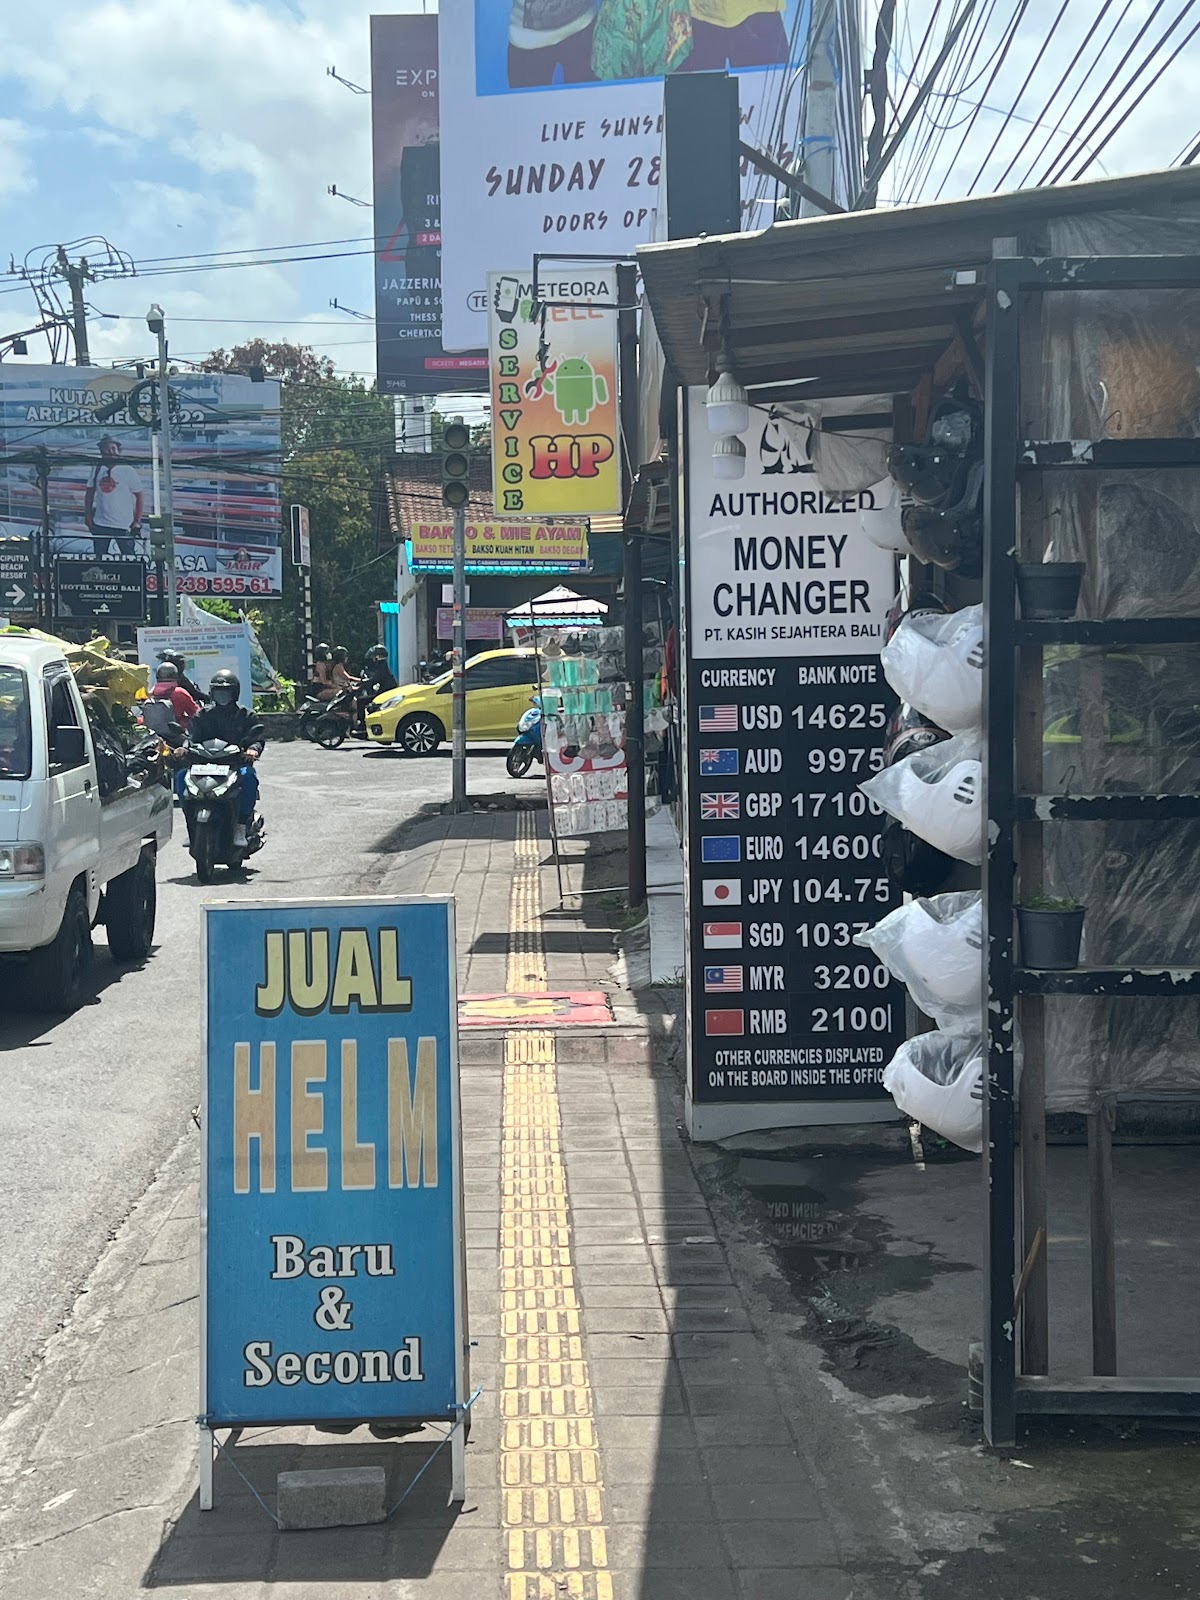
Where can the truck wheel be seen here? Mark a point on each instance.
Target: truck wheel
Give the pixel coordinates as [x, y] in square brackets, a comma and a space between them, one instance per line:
[130, 902]
[53, 975]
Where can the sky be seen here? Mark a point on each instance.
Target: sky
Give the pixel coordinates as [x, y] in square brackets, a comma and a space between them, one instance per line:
[173, 127]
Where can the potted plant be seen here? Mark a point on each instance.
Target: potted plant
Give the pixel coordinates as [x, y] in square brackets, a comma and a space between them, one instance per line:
[1049, 590]
[1051, 930]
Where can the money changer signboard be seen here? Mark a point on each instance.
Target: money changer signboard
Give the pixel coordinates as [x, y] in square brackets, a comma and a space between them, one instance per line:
[553, 364]
[333, 1286]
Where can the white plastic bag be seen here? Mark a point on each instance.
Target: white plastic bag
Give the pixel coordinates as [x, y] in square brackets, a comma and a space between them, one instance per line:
[937, 793]
[936, 664]
[882, 523]
[937, 1079]
[934, 947]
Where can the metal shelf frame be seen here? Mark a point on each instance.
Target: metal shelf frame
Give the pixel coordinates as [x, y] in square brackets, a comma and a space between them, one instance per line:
[1011, 1246]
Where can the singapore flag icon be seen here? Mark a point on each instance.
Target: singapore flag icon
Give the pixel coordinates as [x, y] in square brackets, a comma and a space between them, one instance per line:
[722, 892]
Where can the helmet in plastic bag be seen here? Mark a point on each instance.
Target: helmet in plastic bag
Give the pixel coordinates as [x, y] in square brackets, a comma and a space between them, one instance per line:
[910, 863]
[935, 663]
[921, 604]
[909, 730]
[937, 1079]
[938, 794]
[933, 945]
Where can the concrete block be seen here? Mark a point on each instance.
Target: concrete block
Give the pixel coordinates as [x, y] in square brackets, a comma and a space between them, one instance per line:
[333, 1498]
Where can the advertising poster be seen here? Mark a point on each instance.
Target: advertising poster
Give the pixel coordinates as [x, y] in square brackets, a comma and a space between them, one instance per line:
[500, 546]
[785, 707]
[552, 123]
[100, 473]
[408, 215]
[220, 647]
[100, 591]
[332, 1278]
[555, 424]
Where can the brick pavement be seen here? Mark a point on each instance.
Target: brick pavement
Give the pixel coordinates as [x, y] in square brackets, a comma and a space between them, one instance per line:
[630, 1441]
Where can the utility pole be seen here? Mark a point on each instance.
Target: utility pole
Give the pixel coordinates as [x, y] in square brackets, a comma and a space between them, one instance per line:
[77, 275]
[456, 491]
[635, 720]
[818, 134]
[156, 322]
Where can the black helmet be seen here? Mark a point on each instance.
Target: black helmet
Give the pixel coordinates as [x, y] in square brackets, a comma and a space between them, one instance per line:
[950, 537]
[909, 731]
[377, 652]
[912, 864]
[225, 687]
[168, 672]
[321, 652]
[936, 473]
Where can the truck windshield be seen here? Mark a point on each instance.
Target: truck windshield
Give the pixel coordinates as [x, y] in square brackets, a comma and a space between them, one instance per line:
[15, 741]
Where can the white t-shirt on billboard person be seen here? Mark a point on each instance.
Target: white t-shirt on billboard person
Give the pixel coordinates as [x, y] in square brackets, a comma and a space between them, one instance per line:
[115, 486]
[537, 24]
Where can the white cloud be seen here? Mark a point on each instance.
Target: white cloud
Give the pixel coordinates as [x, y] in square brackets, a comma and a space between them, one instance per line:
[16, 169]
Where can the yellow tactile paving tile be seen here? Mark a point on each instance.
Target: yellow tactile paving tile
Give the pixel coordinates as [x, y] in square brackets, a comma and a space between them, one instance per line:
[550, 1476]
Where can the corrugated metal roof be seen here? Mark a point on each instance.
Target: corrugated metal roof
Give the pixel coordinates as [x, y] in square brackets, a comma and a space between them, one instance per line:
[864, 302]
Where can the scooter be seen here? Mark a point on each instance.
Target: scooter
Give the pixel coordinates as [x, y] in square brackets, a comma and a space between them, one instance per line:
[527, 746]
[212, 793]
[327, 722]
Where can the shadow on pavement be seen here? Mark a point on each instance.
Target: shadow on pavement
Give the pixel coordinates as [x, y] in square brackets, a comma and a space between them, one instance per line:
[238, 1542]
[20, 1029]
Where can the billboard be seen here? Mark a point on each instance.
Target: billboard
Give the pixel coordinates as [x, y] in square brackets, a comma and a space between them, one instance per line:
[100, 474]
[503, 546]
[408, 219]
[555, 425]
[553, 123]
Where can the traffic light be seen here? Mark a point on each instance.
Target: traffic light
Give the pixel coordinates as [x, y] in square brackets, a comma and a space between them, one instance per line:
[456, 465]
[158, 538]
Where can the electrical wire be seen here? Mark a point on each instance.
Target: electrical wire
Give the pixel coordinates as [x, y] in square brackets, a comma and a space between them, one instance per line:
[1008, 117]
[1054, 93]
[957, 86]
[1057, 168]
[1006, 46]
[1128, 112]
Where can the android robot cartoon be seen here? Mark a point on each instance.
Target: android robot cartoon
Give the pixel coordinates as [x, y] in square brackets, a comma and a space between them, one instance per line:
[577, 389]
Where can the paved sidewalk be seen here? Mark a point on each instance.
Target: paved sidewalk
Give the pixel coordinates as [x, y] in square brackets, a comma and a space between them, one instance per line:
[631, 1442]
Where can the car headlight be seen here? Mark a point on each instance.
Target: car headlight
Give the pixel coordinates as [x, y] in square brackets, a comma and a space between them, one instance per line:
[386, 702]
[22, 861]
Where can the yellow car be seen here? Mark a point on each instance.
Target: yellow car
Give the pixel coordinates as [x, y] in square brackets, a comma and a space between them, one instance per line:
[419, 716]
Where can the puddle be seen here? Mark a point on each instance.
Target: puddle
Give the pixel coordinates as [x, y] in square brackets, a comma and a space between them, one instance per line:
[809, 1210]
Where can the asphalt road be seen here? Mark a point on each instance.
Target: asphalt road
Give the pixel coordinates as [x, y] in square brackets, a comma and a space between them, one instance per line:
[91, 1105]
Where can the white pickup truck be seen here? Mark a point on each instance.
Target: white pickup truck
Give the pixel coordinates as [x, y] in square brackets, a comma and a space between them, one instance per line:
[70, 857]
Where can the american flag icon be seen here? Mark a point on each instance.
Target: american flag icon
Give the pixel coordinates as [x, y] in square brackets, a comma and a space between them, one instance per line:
[718, 719]
[722, 807]
[723, 980]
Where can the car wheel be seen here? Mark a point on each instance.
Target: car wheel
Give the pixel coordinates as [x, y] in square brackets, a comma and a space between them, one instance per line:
[53, 974]
[130, 903]
[420, 735]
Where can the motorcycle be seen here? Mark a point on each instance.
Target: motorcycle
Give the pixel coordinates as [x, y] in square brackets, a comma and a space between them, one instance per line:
[327, 722]
[212, 791]
[435, 667]
[527, 746]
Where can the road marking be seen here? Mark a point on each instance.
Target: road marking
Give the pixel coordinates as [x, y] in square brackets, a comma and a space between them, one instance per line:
[550, 1477]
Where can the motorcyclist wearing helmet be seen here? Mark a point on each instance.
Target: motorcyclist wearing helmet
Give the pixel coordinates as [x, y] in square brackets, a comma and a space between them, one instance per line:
[322, 684]
[343, 678]
[225, 719]
[174, 659]
[377, 678]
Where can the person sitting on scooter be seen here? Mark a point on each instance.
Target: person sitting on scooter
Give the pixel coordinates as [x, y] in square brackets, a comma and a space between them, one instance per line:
[376, 679]
[342, 677]
[322, 685]
[230, 722]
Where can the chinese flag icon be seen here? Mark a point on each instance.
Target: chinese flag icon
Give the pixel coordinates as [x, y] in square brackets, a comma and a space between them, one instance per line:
[727, 1022]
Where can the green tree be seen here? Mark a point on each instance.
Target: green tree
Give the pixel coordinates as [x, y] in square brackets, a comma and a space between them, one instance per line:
[337, 435]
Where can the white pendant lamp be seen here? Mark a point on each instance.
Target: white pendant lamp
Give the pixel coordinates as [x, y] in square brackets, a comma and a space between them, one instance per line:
[729, 458]
[727, 406]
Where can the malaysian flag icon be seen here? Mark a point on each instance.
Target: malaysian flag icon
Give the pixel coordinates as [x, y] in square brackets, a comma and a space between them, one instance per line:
[716, 807]
[719, 764]
[718, 719]
[725, 1022]
[722, 980]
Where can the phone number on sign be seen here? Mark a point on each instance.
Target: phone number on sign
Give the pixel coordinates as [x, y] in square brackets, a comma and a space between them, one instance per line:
[193, 583]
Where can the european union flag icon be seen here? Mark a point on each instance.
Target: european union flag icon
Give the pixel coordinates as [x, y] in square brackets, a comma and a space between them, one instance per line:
[720, 847]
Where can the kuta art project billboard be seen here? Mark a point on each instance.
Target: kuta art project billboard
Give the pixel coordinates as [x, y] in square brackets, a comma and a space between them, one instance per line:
[100, 473]
[551, 122]
[553, 362]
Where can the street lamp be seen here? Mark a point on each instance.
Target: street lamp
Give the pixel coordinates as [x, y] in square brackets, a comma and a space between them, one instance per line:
[157, 324]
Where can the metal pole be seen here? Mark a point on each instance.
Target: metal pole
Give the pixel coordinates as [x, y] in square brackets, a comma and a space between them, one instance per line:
[635, 728]
[818, 136]
[45, 601]
[168, 479]
[459, 746]
[306, 587]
